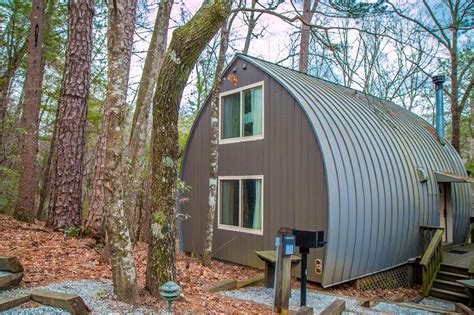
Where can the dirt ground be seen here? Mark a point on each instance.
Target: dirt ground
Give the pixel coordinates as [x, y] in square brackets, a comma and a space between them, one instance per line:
[50, 257]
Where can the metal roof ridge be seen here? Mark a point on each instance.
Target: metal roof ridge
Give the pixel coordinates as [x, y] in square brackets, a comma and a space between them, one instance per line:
[338, 85]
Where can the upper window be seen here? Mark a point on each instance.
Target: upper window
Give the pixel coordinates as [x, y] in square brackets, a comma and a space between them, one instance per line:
[242, 114]
[241, 203]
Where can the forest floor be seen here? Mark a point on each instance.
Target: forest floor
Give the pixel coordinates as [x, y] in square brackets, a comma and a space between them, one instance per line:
[50, 257]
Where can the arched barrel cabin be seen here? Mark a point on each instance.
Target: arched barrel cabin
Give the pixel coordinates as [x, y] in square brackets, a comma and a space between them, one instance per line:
[305, 153]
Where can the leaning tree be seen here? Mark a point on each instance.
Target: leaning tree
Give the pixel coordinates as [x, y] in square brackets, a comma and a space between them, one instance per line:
[185, 47]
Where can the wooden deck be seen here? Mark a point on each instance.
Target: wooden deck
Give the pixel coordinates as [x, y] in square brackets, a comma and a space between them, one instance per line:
[462, 260]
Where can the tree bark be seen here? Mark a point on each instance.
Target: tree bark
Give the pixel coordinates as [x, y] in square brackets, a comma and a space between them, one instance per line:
[25, 207]
[186, 45]
[214, 153]
[65, 206]
[137, 179]
[456, 108]
[46, 176]
[93, 225]
[120, 41]
[308, 12]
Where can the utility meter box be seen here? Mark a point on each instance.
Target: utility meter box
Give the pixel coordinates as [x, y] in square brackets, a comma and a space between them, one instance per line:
[288, 245]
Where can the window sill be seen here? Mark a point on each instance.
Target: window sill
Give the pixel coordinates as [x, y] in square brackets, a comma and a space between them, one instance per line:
[239, 229]
[240, 139]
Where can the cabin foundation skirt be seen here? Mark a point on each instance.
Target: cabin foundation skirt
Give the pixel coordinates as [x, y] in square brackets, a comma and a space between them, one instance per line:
[388, 279]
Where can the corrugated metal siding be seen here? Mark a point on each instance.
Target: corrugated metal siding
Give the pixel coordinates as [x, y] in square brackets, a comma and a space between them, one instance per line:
[288, 157]
[371, 149]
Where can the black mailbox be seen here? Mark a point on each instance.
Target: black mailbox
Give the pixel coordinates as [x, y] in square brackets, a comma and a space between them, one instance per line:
[309, 239]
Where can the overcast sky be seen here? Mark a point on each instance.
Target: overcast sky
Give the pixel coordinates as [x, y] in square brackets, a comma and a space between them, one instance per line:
[271, 47]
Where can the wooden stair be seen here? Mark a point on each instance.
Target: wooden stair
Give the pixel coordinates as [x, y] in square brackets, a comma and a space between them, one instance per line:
[445, 286]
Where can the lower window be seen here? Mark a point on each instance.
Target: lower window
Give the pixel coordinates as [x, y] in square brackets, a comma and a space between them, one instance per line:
[241, 203]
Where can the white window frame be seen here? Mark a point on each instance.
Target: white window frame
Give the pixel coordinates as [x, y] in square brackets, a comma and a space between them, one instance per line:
[241, 138]
[232, 227]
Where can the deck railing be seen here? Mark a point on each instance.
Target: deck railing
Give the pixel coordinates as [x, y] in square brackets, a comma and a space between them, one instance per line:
[432, 255]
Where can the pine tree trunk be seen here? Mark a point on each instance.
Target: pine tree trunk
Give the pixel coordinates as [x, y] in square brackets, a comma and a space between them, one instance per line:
[138, 185]
[186, 45]
[25, 207]
[120, 41]
[214, 153]
[308, 12]
[93, 225]
[45, 179]
[65, 205]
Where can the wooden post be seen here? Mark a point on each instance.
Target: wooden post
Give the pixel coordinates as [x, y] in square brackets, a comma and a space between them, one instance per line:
[411, 272]
[283, 275]
[471, 227]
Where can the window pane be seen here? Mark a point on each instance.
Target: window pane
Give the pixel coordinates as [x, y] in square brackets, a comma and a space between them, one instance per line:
[252, 204]
[252, 112]
[230, 202]
[231, 116]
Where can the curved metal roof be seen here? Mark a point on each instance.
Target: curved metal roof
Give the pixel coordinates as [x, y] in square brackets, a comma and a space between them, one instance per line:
[372, 150]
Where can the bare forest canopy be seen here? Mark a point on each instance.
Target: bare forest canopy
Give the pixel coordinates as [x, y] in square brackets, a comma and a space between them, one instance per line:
[97, 98]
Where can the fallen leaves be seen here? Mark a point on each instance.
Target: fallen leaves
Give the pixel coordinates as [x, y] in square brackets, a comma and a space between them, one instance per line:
[50, 257]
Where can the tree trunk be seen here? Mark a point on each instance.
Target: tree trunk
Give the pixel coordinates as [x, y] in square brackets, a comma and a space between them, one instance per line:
[186, 45]
[5, 83]
[46, 178]
[120, 41]
[456, 108]
[25, 207]
[136, 173]
[456, 112]
[250, 28]
[16, 52]
[93, 226]
[65, 205]
[214, 153]
[308, 12]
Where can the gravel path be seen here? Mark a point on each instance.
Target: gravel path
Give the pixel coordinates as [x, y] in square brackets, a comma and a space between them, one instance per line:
[96, 294]
[393, 308]
[319, 301]
[438, 303]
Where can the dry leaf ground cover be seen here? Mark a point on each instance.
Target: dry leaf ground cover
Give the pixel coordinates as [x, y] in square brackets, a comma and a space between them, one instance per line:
[50, 257]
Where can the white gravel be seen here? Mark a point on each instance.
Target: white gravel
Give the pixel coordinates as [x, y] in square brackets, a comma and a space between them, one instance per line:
[438, 303]
[396, 309]
[96, 294]
[319, 301]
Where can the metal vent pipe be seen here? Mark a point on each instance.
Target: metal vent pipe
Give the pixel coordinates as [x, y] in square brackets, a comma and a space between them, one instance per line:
[438, 80]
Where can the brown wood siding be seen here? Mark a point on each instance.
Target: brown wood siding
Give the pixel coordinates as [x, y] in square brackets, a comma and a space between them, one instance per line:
[289, 159]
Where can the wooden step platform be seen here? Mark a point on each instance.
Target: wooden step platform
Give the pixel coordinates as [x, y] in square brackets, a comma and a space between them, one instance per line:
[69, 302]
[449, 295]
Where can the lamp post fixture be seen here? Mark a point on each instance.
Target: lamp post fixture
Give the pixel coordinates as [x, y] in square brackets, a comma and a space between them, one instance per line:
[169, 292]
